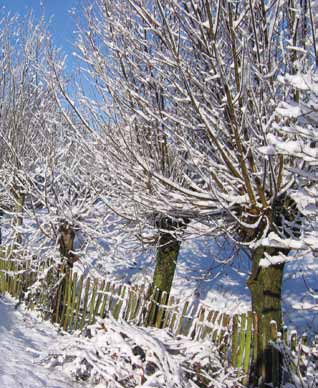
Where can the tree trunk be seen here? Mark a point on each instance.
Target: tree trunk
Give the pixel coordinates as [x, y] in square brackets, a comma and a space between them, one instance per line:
[66, 242]
[265, 285]
[166, 262]
[66, 247]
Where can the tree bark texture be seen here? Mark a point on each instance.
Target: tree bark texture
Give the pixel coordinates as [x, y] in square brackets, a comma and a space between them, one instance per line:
[265, 285]
[166, 262]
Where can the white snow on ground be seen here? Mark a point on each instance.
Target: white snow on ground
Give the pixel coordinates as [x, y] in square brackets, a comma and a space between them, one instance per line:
[300, 295]
[205, 270]
[22, 339]
[112, 354]
[115, 354]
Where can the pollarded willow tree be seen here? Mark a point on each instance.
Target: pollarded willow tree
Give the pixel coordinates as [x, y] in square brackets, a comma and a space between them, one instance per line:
[27, 114]
[48, 194]
[124, 116]
[62, 200]
[43, 169]
[200, 80]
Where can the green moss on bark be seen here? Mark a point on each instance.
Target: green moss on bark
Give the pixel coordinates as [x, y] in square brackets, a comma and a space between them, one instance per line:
[265, 285]
[166, 261]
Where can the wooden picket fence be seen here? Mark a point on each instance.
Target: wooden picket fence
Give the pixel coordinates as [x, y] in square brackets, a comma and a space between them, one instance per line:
[78, 302]
[16, 275]
[81, 301]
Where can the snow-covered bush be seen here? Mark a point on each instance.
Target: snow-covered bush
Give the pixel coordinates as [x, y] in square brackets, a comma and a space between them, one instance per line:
[119, 355]
[299, 365]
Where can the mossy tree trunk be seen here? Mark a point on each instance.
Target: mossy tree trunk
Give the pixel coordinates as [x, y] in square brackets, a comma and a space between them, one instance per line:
[66, 247]
[166, 262]
[265, 285]
[167, 252]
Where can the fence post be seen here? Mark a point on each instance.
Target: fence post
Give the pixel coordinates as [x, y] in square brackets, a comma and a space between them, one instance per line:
[72, 307]
[78, 303]
[120, 301]
[68, 299]
[275, 355]
[1, 273]
[92, 303]
[161, 310]
[181, 319]
[200, 323]
[234, 341]
[247, 355]
[168, 312]
[87, 287]
[105, 298]
[242, 341]
[174, 312]
[128, 306]
[99, 298]
[153, 308]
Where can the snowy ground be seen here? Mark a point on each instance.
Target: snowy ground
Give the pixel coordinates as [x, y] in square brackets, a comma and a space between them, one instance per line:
[112, 354]
[22, 340]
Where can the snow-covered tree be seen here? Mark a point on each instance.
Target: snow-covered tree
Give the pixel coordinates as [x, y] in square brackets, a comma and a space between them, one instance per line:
[294, 136]
[27, 112]
[44, 175]
[185, 96]
[48, 191]
[122, 134]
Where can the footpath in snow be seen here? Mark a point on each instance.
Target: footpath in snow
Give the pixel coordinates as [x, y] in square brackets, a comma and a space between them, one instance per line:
[22, 338]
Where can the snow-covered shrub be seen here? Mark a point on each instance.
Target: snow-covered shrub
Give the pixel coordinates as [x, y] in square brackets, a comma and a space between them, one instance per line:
[299, 365]
[42, 293]
[115, 354]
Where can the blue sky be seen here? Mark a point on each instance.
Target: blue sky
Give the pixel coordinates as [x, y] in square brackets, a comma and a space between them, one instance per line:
[62, 23]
